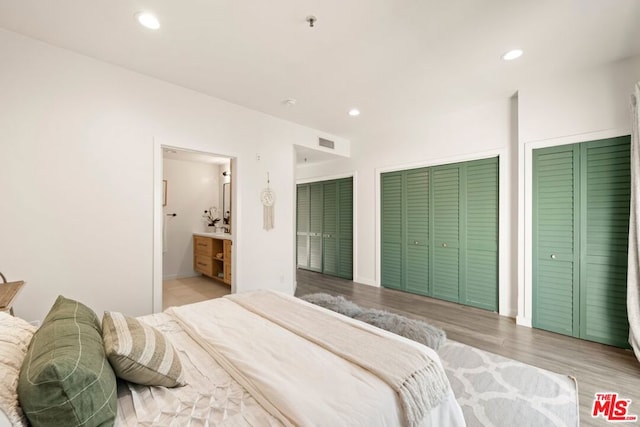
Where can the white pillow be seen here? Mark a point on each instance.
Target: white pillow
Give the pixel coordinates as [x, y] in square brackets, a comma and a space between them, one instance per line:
[15, 336]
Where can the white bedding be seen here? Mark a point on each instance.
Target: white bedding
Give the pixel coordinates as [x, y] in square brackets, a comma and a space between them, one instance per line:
[303, 383]
[211, 397]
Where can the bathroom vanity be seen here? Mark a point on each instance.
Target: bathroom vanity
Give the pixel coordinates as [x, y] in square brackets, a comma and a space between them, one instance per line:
[212, 255]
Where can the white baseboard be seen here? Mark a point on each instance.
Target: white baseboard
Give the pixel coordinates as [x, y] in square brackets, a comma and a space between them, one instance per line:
[509, 313]
[523, 321]
[366, 281]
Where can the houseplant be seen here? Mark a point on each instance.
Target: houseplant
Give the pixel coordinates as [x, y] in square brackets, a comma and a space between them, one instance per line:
[211, 218]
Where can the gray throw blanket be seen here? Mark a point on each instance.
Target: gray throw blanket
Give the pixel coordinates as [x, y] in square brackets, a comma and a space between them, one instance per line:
[416, 330]
[419, 381]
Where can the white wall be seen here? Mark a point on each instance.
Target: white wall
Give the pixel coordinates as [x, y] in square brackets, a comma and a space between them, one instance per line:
[592, 101]
[77, 177]
[479, 132]
[193, 187]
[588, 106]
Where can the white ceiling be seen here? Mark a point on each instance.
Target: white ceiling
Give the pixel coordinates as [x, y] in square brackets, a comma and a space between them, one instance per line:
[395, 60]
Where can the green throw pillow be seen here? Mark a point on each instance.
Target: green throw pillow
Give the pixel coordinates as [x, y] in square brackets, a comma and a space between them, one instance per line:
[140, 353]
[66, 378]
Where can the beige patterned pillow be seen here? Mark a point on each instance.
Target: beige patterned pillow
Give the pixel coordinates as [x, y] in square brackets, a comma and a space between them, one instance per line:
[140, 353]
[15, 336]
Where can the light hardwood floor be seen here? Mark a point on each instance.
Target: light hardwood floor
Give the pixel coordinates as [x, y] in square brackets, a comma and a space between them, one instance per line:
[192, 289]
[597, 367]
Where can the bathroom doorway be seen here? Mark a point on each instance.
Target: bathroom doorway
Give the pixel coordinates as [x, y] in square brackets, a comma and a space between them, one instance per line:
[193, 190]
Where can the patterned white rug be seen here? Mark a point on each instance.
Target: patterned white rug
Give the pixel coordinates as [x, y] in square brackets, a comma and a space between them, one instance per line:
[495, 391]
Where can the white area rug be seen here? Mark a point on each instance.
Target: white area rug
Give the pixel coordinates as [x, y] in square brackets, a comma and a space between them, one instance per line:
[495, 391]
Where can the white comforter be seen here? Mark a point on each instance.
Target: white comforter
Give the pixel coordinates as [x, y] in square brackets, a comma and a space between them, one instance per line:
[210, 398]
[294, 381]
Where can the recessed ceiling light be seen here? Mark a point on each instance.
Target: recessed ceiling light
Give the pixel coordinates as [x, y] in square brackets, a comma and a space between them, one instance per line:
[354, 112]
[512, 54]
[147, 20]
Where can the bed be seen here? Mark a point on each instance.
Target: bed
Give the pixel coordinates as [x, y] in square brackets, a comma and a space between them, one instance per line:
[268, 359]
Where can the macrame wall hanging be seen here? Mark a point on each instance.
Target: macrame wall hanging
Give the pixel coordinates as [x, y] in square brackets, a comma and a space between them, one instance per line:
[268, 198]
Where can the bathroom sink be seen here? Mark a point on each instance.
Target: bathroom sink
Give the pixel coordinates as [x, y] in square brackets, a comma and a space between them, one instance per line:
[225, 236]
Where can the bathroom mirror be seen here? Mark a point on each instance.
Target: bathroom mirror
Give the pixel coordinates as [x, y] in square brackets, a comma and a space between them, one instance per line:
[226, 204]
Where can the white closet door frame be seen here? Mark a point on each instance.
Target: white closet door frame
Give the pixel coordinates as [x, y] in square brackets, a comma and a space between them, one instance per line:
[525, 210]
[505, 288]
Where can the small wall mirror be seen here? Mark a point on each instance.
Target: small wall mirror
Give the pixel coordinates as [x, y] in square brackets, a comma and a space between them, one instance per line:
[226, 204]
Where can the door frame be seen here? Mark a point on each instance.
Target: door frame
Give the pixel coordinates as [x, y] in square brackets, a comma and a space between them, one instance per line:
[158, 193]
[525, 209]
[354, 247]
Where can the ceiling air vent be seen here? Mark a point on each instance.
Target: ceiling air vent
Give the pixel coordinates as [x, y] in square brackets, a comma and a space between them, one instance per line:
[326, 143]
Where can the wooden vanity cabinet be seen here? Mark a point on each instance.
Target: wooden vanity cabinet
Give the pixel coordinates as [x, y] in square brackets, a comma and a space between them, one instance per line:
[212, 257]
[227, 262]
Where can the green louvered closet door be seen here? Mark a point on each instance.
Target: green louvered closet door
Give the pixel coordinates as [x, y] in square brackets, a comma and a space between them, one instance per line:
[337, 231]
[391, 224]
[315, 227]
[480, 246]
[325, 227]
[416, 243]
[581, 224]
[345, 228]
[439, 232]
[606, 193]
[330, 229]
[555, 238]
[446, 232]
[302, 226]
